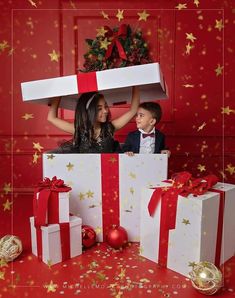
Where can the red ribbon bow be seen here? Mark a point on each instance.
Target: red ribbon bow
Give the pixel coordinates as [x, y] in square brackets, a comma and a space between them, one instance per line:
[145, 135]
[122, 32]
[53, 184]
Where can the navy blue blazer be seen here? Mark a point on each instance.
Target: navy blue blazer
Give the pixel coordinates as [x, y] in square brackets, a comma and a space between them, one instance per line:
[132, 142]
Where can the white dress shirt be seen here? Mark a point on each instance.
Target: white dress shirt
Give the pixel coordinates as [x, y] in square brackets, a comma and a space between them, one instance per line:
[147, 144]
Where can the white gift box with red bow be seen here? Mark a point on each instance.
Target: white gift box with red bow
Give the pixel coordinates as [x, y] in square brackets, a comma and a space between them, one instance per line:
[115, 84]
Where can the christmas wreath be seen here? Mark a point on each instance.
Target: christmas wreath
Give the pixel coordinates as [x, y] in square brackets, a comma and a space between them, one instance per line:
[119, 47]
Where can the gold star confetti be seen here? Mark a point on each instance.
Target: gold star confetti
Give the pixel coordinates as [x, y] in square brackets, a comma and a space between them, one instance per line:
[188, 86]
[112, 159]
[35, 157]
[188, 48]
[2, 275]
[192, 264]
[190, 37]
[196, 2]
[132, 190]
[143, 16]
[51, 287]
[185, 221]
[7, 188]
[32, 3]
[218, 70]
[119, 15]
[3, 45]
[230, 169]
[219, 24]
[223, 174]
[7, 205]
[81, 196]
[37, 146]
[104, 43]
[227, 110]
[54, 56]
[201, 168]
[201, 126]
[49, 263]
[181, 6]
[105, 16]
[132, 175]
[98, 230]
[50, 156]
[3, 263]
[90, 194]
[101, 31]
[72, 4]
[27, 116]
[122, 274]
[69, 166]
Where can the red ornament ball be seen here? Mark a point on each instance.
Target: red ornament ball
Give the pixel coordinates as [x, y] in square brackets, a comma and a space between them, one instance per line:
[117, 237]
[88, 236]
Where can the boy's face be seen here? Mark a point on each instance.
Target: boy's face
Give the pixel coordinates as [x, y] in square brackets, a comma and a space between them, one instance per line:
[144, 120]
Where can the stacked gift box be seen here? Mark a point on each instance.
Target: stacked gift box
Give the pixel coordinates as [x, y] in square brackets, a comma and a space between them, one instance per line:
[55, 235]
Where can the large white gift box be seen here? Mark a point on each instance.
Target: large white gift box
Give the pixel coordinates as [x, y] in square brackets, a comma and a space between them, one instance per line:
[115, 84]
[204, 229]
[51, 240]
[106, 188]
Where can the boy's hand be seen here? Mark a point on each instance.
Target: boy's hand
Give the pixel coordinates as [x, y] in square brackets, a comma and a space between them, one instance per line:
[129, 153]
[168, 152]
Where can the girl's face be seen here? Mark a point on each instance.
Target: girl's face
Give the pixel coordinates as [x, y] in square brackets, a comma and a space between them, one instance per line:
[144, 120]
[102, 110]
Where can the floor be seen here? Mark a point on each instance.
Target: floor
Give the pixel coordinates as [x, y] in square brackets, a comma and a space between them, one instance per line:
[100, 271]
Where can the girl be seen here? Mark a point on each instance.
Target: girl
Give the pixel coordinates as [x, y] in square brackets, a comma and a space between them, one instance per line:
[92, 129]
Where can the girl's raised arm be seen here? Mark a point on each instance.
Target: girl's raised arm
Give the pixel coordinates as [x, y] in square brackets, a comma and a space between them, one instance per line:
[52, 117]
[125, 118]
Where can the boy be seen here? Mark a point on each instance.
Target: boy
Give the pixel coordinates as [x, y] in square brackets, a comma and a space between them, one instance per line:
[147, 139]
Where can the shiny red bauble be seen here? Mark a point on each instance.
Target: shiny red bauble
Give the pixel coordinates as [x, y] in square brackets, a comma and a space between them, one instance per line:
[117, 237]
[88, 236]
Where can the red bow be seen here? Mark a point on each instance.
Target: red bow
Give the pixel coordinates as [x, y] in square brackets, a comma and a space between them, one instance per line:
[53, 184]
[145, 135]
[122, 32]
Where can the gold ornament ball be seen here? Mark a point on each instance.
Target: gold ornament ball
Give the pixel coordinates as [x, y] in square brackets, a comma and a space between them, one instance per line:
[10, 247]
[206, 278]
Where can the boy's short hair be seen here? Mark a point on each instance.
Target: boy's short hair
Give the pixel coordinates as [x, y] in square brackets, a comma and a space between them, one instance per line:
[154, 108]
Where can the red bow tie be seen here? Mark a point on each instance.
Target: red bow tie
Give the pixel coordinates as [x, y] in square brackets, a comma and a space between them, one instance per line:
[145, 135]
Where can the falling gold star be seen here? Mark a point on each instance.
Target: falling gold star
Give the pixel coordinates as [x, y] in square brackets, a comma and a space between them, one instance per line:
[223, 174]
[185, 221]
[11, 51]
[27, 116]
[196, 2]
[7, 188]
[218, 70]
[190, 37]
[181, 6]
[98, 230]
[81, 196]
[50, 156]
[219, 24]
[119, 15]
[49, 263]
[105, 16]
[3, 263]
[51, 287]
[35, 157]
[201, 126]
[69, 166]
[192, 264]
[101, 31]
[72, 4]
[37, 146]
[32, 3]
[201, 168]
[132, 175]
[230, 169]
[54, 56]
[3, 45]
[143, 16]
[188, 48]
[7, 205]
[104, 43]
[90, 194]
[122, 274]
[2, 275]
[132, 190]
[227, 110]
[112, 159]
[188, 86]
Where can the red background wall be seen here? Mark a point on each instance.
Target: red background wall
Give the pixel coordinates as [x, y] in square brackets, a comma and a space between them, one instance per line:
[198, 116]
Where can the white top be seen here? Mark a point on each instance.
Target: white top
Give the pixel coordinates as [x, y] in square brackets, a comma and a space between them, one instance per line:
[147, 144]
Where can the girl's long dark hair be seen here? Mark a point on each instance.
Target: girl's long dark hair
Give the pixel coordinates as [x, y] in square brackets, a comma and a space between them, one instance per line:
[85, 117]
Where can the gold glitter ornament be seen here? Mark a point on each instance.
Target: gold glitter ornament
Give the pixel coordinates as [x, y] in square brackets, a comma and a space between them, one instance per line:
[10, 247]
[206, 278]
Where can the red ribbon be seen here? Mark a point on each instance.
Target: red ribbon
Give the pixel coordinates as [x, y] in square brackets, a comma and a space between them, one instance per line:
[46, 207]
[183, 184]
[87, 82]
[110, 191]
[122, 32]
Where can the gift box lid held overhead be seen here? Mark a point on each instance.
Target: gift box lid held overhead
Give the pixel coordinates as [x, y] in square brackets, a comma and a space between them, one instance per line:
[115, 84]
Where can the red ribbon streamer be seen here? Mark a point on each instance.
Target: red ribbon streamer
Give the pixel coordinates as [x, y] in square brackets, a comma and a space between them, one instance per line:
[87, 82]
[122, 32]
[183, 184]
[110, 190]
